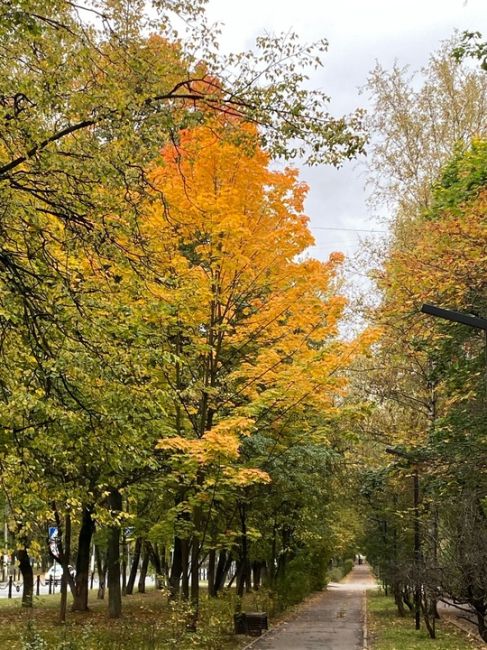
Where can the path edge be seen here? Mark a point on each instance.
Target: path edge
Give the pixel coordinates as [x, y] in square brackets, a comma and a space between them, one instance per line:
[365, 627]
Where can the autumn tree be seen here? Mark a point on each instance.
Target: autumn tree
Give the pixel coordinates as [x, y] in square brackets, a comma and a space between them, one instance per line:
[251, 327]
[438, 257]
[418, 119]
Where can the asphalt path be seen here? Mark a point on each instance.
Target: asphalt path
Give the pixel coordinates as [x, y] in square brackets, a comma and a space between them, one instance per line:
[330, 620]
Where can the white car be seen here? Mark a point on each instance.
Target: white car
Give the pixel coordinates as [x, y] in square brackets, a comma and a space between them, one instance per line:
[55, 573]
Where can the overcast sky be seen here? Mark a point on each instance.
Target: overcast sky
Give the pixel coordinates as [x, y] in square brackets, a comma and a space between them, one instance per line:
[360, 32]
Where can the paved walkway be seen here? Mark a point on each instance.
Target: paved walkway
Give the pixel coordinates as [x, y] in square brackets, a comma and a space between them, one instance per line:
[330, 620]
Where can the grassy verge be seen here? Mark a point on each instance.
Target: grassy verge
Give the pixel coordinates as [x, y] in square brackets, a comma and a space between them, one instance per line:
[149, 622]
[387, 631]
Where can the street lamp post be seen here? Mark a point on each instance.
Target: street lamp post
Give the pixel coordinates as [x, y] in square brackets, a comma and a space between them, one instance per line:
[455, 316]
[471, 320]
[459, 317]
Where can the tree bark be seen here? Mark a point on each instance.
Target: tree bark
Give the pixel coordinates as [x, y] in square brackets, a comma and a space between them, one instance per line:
[101, 567]
[124, 563]
[243, 568]
[176, 567]
[65, 576]
[155, 558]
[135, 566]
[185, 568]
[27, 577]
[80, 595]
[211, 572]
[257, 574]
[113, 558]
[398, 599]
[195, 580]
[222, 569]
[143, 569]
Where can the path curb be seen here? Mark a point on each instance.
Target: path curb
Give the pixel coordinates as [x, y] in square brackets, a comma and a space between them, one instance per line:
[465, 628]
[365, 628]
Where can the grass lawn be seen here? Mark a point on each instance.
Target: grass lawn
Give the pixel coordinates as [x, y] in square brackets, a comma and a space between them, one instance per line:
[387, 631]
[149, 623]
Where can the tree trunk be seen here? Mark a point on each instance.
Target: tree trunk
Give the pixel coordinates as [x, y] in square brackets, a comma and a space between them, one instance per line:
[406, 598]
[65, 576]
[243, 567]
[27, 577]
[113, 558]
[195, 580]
[176, 567]
[101, 567]
[222, 569]
[124, 563]
[80, 595]
[135, 566]
[257, 574]
[143, 569]
[272, 563]
[155, 558]
[398, 599]
[211, 572]
[185, 568]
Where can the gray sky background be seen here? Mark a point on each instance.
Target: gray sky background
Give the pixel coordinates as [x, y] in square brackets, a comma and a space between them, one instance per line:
[360, 32]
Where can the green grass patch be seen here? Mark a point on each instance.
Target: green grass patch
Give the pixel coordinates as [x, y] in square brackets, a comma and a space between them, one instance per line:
[149, 622]
[388, 631]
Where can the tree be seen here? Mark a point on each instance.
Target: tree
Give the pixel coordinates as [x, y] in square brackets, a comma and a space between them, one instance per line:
[416, 128]
[253, 336]
[439, 256]
[471, 45]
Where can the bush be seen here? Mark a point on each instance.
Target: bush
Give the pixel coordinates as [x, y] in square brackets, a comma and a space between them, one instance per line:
[304, 574]
[337, 573]
[347, 566]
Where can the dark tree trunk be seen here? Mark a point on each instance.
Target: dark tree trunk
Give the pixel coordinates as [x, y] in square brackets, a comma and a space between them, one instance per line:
[243, 565]
[143, 569]
[185, 568]
[65, 576]
[211, 572]
[101, 567]
[257, 574]
[398, 599]
[428, 616]
[113, 558]
[80, 595]
[481, 612]
[195, 578]
[406, 597]
[222, 569]
[124, 563]
[27, 577]
[135, 566]
[155, 558]
[176, 567]
[272, 564]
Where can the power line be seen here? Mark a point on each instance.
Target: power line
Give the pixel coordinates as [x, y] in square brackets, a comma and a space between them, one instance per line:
[347, 229]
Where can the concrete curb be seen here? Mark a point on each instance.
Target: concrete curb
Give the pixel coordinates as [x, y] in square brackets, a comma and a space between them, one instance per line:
[258, 638]
[452, 620]
[365, 627]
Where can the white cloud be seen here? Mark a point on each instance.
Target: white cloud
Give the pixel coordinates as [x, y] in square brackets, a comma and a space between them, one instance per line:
[359, 32]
